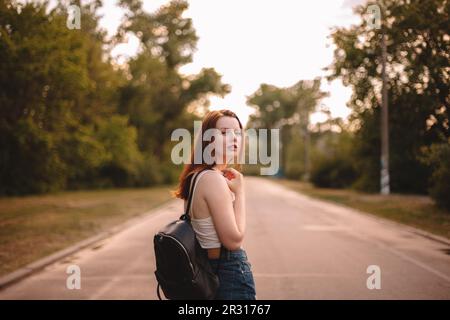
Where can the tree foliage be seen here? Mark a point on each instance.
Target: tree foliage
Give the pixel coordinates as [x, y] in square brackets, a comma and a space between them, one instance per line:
[70, 118]
[287, 109]
[418, 72]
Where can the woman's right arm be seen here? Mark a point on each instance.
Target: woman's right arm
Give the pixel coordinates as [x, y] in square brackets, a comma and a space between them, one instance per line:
[229, 222]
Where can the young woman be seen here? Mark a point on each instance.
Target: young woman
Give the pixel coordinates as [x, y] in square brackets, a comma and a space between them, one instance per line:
[218, 206]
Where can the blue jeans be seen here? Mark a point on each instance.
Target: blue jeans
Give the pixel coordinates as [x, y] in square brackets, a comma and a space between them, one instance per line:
[235, 276]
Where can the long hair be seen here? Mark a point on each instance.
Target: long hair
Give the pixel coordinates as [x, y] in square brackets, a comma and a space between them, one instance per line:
[209, 122]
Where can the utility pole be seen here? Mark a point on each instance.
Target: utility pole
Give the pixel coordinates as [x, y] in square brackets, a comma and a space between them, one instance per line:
[307, 151]
[304, 121]
[384, 176]
[279, 126]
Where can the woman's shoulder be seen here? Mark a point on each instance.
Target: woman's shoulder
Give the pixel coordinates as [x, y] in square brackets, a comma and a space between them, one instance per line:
[212, 176]
[213, 187]
[212, 180]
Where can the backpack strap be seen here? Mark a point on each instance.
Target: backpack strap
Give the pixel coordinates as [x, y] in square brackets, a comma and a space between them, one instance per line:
[157, 292]
[194, 177]
[186, 216]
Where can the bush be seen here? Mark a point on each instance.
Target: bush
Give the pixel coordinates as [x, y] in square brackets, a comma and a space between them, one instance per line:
[332, 161]
[294, 164]
[28, 160]
[122, 158]
[333, 173]
[437, 157]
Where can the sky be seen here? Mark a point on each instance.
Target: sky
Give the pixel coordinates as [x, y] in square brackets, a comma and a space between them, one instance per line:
[250, 42]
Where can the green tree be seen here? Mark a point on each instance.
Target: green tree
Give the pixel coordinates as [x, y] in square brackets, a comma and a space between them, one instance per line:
[55, 88]
[332, 155]
[418, 46]
[157, 96]
[437, 157]
[286, 109]
[122, 156]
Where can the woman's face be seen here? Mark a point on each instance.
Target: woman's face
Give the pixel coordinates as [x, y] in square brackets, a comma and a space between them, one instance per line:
[229, 141]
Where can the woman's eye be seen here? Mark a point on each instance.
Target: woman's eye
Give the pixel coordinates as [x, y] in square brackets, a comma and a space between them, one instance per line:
[236, 132]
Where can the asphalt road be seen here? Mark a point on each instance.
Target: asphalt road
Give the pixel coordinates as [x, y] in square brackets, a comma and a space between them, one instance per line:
[300, 248]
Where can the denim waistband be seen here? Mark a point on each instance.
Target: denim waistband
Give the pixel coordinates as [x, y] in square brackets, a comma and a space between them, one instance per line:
[233, 254]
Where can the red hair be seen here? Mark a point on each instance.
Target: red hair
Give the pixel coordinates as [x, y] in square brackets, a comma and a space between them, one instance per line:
[209, 122]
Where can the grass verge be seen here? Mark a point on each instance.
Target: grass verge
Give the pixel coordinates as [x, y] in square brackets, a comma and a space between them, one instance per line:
[32, 227]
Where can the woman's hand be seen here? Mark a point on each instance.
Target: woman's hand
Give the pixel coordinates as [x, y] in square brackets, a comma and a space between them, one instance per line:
[235, 179]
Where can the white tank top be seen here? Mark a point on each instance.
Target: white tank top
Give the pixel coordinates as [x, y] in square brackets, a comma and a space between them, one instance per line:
[204, 228]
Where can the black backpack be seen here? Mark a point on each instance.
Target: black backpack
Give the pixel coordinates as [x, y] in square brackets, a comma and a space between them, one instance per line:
[182, 267]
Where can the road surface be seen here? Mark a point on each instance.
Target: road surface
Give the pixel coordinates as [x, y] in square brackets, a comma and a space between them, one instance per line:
[300, 248]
